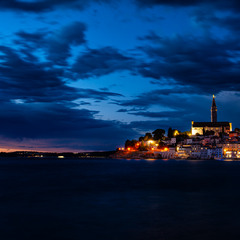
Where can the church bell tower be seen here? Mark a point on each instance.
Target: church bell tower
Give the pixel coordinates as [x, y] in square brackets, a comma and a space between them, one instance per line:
[214, 110]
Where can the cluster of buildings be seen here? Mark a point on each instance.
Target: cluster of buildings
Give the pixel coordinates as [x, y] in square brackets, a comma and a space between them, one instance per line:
[208, 148]
[206, 140]
[210, 140]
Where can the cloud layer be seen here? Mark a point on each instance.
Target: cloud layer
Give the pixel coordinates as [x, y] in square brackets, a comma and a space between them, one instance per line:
[58, 81]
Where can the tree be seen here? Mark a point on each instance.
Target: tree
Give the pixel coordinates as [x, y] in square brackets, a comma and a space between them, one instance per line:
[182, 135]
[130, 143]
[237, 130]
[142, 148]
[158, 134]
[186, 133]
[170, 132]
[223, 130]
[141, 139]
[148, 136]
[203, 131]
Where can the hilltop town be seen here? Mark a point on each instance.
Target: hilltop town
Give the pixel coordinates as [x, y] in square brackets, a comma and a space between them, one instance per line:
[205, 140]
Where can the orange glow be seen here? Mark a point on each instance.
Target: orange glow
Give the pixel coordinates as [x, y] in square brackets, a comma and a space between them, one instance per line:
[123, 149]
[166, 149]
[152, 149]
[151, 159]
[176, 132]
[128, 149]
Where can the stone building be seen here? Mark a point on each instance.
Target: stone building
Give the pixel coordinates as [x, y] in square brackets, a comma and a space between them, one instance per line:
[202, 127]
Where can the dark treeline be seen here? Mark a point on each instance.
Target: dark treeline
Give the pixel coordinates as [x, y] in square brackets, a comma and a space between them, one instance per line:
[26, 154]
[159, 136]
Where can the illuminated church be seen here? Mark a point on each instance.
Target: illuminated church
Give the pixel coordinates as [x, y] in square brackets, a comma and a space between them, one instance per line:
[214, 125]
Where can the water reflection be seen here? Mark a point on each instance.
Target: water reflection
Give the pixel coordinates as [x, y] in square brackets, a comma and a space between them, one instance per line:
[109, 199]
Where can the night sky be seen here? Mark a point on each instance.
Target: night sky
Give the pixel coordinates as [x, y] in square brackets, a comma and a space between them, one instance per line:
[79, 75]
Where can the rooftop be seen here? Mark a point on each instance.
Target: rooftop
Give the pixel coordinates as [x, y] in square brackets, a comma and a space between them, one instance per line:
[211, 124]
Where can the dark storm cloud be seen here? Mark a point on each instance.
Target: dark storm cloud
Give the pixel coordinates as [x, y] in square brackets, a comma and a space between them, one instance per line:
[27, 79]
[183, 108]
[186, 108]
[49, 5]
[163, 114]
[45, 5]
[205, 63]
[100, 95]
[37, 102]
[209, 20]
[57, 45]
[32, 81]
[173, 98]
[49, 121]
[122, 110]
[220, 4]
[36, 38]
[149, 126]
[99, 62]
[152, 36]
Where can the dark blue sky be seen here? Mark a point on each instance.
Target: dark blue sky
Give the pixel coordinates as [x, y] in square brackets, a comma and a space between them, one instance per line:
[86, 75]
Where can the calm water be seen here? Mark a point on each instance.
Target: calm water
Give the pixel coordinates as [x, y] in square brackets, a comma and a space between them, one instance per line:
[119, 199]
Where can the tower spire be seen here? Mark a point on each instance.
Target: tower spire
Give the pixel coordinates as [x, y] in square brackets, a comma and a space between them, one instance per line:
[214, 110]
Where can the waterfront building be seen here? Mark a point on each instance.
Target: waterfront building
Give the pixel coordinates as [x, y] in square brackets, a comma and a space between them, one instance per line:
[170, 153]
[233, 135]
[200, 128]
[173, 141]
[231, 150]
[217, 153]
[183, 151]
[196, 151]
[206, 153]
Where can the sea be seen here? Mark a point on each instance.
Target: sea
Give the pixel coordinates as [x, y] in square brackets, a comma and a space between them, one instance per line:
[113, 199]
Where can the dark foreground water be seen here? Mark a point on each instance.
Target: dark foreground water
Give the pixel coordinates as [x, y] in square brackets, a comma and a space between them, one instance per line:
[119, 199]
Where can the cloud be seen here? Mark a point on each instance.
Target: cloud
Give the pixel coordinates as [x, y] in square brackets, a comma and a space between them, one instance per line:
[59, 45]
[50, 5]
[32, 81]
[99, 62]
[163, 114]
[29, 80]
[174, 98]
[224, 5]
[203, 63]
[95, 94]
[180, 108]
[151, 36]
[56, 45]
[209, 20]
[149, 126]
[45, 5]
[57, 121]
[27, 77]
[122, 110]
[38, 104]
